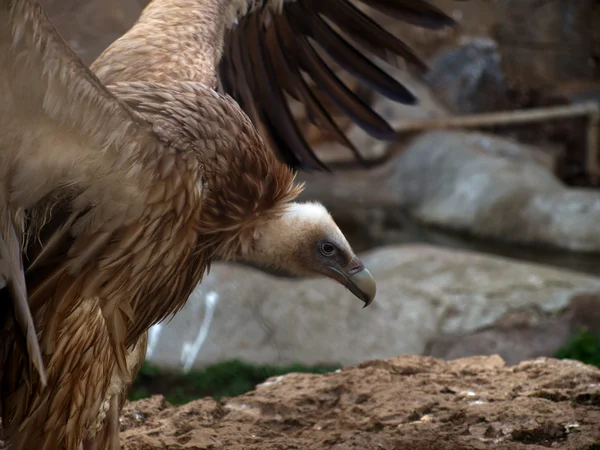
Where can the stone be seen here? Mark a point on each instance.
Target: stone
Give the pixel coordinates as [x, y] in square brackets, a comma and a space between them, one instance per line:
[406, 402]
[475, 183]
[523, 334]
[469, 78]
[423, 293]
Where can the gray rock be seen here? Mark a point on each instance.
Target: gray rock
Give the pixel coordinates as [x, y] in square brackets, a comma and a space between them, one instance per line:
[475, 183]
[469, 78]
[423, 293]
[523, 334]
[518, 336]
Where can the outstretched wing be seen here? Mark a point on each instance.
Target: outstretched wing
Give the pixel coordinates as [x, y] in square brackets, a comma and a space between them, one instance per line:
[268, 55]
[67, 148]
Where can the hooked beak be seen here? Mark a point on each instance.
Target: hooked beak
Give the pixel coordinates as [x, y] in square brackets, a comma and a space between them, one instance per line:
[358, 280]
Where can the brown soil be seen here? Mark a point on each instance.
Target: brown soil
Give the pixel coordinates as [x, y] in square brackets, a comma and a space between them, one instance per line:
[409, 402]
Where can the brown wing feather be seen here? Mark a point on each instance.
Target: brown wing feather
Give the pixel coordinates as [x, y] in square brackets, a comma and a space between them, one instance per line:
[13, 278]
[330, 84]
[259, 67]
[65, 137]
[108, 437]
[294, 84]
[108, 213]
[289, 45]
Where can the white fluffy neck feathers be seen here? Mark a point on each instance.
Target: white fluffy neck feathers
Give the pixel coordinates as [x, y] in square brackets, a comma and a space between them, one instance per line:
[277, 241]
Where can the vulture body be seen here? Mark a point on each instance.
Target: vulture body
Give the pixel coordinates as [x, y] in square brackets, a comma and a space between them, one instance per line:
[123, 182]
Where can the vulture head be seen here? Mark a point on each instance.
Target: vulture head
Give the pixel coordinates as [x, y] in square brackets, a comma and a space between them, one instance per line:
[305, 241]
[249, 206]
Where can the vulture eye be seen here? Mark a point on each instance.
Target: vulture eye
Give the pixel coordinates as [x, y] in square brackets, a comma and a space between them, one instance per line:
[327, 248]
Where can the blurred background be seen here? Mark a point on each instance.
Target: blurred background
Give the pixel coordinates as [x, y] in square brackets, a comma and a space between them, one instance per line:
[483, 240]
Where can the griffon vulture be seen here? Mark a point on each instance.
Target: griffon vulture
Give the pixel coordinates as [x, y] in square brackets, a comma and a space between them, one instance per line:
[120, 187]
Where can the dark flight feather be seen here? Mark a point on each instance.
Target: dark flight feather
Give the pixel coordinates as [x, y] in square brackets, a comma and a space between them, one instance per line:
[267, 57]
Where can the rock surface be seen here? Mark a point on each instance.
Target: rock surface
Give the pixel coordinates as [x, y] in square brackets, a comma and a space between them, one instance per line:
[423, 293]
[469, 79]
[523, 334]
[407, 402]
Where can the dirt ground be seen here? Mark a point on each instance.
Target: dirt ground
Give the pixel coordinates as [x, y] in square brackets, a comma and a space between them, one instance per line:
[408, 403]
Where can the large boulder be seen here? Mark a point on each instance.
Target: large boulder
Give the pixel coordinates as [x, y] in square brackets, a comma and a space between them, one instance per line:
[425, 296]
[406, 402]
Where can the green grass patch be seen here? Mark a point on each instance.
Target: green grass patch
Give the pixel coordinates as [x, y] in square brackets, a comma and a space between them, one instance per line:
[584, 347]
[225, 379]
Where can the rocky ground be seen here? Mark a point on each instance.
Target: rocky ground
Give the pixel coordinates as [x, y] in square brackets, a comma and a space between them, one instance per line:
[407, 402]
